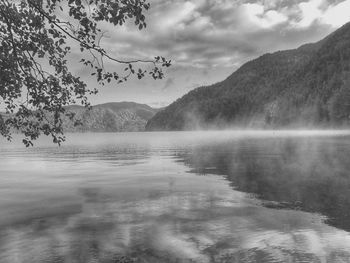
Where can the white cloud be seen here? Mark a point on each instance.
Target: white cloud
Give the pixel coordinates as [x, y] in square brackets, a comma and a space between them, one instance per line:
[220, 35]
[202, 33]
[254, 17]
[173, 17]
[310, 11]
[337, 15]
[322, 12]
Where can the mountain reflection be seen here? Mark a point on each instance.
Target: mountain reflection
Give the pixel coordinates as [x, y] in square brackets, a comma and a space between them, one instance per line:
[311, 174]
[141, 200]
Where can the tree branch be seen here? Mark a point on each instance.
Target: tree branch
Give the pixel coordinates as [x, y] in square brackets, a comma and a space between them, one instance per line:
[84, 44]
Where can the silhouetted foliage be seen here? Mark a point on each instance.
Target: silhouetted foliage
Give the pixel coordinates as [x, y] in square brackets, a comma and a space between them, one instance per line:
[36, 37]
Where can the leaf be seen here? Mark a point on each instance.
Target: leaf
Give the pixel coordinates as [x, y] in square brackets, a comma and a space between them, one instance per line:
[41, 76]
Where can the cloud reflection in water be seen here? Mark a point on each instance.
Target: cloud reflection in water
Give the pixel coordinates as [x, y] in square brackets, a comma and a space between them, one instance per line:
[158, 210]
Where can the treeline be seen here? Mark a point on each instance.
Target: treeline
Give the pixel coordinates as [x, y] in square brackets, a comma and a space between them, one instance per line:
[308, 86]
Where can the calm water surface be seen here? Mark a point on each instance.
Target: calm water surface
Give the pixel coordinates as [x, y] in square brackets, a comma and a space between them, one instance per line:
[177, 197]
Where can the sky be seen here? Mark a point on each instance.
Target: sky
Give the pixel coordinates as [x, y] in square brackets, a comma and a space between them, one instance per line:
[207, 40]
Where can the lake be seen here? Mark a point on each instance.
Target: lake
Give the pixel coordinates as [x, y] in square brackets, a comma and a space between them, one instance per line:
[229, 196]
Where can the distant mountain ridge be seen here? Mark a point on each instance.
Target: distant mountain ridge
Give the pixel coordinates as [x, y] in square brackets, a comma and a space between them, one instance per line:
[307, 86]
[110, 117]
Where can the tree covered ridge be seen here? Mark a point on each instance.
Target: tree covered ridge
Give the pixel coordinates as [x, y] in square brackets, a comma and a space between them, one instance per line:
[308, 86]
[110, 117]
[36, 37]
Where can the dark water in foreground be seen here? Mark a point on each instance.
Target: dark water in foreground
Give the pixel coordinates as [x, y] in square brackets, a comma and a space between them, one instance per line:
[177, 197]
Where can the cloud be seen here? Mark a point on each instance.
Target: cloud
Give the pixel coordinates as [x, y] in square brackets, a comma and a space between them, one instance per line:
[323, 12]
[218, 36]
[169, 83]
[337, 15]
[309, 12]
[222, 33]
[158, 104]
[259, 17]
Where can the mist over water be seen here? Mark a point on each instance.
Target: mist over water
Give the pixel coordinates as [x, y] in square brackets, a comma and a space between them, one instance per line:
[223, 196]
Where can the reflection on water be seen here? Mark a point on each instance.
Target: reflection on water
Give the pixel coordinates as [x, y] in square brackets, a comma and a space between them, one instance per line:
[177, 197]
[294, 173]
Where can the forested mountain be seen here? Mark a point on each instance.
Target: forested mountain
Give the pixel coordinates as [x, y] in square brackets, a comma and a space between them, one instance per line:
[110, 117]
[307, 86]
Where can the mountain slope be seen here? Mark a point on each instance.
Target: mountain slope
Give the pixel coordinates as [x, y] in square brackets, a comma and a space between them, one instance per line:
[308, 86]
[110, 117]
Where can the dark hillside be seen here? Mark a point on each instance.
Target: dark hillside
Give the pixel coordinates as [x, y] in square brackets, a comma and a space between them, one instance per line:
[307, 86]
[110, 117]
